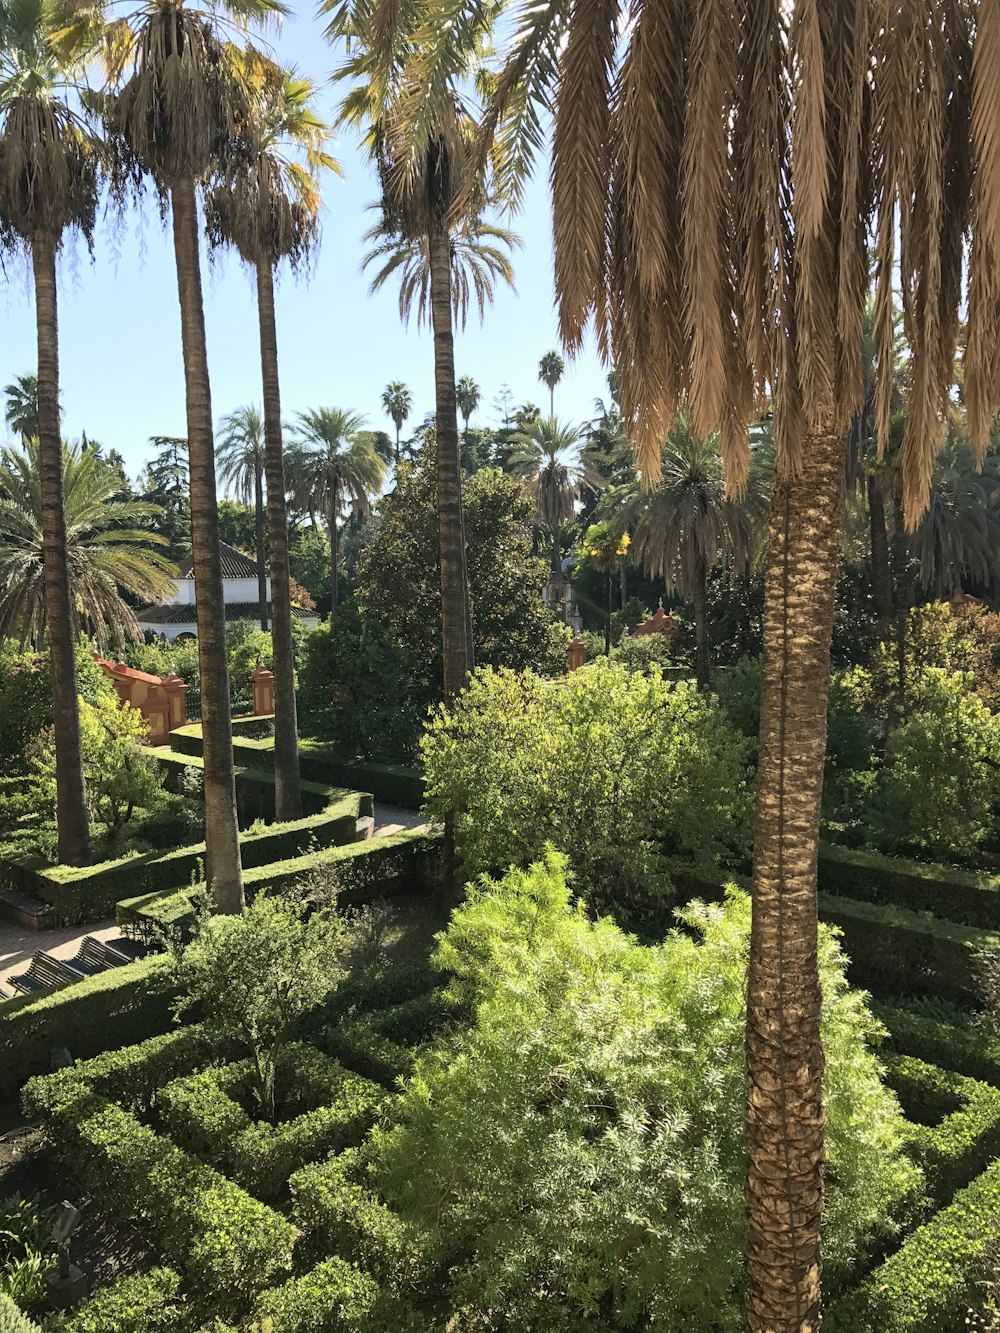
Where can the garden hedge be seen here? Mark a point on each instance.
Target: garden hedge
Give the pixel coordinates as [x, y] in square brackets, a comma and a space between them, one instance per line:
[123, 1005]
[400, 863]
[968, 1050]
[318, 762]
[227, 1245]
[144, 1303]
[925, 1286]
[334, 1297]
[965, 896]
[254, 787]
[91, 892]
[12, 1320]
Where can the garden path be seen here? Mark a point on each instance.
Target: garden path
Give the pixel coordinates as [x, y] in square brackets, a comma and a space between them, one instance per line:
[18, 945]
[394, 818]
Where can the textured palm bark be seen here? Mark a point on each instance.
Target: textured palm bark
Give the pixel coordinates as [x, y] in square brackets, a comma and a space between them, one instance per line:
[456, 621]
[784, 1107]
[258, 511]
[881, 567]
[222, 846]
[71, 793]
[702, 658]
[331, 519]
[287, 778]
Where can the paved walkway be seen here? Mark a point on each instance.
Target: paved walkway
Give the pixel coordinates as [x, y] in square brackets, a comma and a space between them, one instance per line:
[18, 945]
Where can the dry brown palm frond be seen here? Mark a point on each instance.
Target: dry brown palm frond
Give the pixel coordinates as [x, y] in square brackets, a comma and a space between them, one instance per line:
[49, 168]
[581, 161]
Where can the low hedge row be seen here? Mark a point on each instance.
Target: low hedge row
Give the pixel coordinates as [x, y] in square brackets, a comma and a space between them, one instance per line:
[968, 1050]
[227, 1245]
[123, 1005]
[90, 893]
[254, 787]
[924, 1287]
[378, 988]
[362, 1047]
[340, 1214]
[401, 863]
[954, 1132]
[144, 1303]
[965, 896]
[318, 762]
[333, 1297]
[12, 1320]
[203, 1117]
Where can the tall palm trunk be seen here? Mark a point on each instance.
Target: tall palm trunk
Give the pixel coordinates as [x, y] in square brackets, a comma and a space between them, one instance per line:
[287, 780]
[397, 441]
[455, 610]
[71, 793]
[881, 568]
[903, 603]
[702, 656]
[607, 614]
[258, 513]
[556, 563]
[334, 547]
[784, 1109]
[222, 845]
[623, 584]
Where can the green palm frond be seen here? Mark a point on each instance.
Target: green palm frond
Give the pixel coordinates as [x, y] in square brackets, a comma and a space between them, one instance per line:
[239, 452]
[109, 545]
[547, 457]
[332, 454]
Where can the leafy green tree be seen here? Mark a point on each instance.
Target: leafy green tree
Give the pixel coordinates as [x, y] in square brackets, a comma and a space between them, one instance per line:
[165, 483]
[239, 455]
[251, 978]
[575, 1156]
[49, 177]
[333, 464]
[309, 560]
[546, 457]
[397, 402]
[550, 372]
[237, 525]
[631, 765]
[397, 580]
[689, 526]
[109, 548]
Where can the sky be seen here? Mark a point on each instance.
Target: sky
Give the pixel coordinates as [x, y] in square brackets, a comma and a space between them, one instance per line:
[119, 324]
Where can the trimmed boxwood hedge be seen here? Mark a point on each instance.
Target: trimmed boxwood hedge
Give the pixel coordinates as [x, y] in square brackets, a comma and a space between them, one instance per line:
[123, 1005]
[966, 896]
[925, 1286]
[319, 762]
[91, 892]
[254, 787]
[144, 1303]
[401, 863]
[967, 1050]
[333, 1297]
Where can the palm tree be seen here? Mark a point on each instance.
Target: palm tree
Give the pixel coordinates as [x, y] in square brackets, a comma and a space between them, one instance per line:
[109, 548]
[239, 453]
[21, 411]
[334, 462]
[716, 228]
[606, 549]
[443, 262]
[267, 206]
[49, 166]
[550, 372]
[689, 526]
[467, 396]
[179, 93]
[546, 455]
[958, 538]
[397, 402]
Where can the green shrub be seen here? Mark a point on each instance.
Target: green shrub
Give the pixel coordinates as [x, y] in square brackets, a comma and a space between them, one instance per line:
[361, 1046]
[333, 1297]
[577, 1153]
[928, 1284]
[26, 1251]
[123, 1005]
[966, 896]
[26, 697]
[226, 1244]
[12, 1320]
[146, 1303]
[612, 766]
[968, 1050]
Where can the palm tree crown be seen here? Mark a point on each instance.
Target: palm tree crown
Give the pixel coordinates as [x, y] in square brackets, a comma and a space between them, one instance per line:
[333, 457]
[959, 536]
[109, 546]
[239, 452]
[550, 372]
[547, 456]
[397, 401]
[478, 262]
[468, 395]
[21, 410]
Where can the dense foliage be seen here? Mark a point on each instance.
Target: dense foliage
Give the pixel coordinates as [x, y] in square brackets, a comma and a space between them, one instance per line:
[614, 767]
[576, 1156]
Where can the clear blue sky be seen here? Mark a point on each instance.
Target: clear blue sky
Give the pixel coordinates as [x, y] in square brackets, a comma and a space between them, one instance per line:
[122, 377]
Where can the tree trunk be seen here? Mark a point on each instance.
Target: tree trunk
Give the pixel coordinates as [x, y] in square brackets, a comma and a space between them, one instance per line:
[397, 441]
[903, 603]
[222, 840]
[258, 507]
[71, 792]
[702, 657]
[456, 618]
[556, 562]
[552, 402]
[334, 551]
[881, 569]
[287, 779]
[784, 1108]
[622, 584]
[607, 614]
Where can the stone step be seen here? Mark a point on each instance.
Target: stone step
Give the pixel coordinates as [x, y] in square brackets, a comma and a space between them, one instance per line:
[25, 910]
[366, 828]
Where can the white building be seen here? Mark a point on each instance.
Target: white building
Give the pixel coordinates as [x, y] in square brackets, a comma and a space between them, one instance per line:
[176, 620]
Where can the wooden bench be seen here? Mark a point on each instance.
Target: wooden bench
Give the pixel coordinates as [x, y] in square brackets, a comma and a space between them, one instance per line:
[96, 956]
[43, 973]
